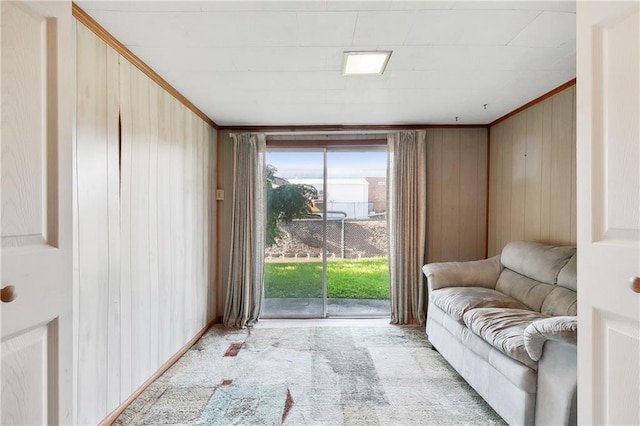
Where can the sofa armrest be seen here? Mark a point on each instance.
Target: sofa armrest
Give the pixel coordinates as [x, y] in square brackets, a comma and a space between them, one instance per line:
[561, 329]
[477, 273]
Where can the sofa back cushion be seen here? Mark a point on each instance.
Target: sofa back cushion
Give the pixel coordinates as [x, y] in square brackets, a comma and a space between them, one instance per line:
[563, 299]
[524, 289]
[543, 278]
[560, 302]
[568, 277]
[537, 261]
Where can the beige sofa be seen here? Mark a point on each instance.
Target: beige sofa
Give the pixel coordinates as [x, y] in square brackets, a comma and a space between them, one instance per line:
[508, 326]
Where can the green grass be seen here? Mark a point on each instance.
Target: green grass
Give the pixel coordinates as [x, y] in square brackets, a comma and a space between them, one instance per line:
[346, 279]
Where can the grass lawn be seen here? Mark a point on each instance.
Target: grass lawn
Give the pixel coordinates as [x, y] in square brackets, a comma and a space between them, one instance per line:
[346, 279]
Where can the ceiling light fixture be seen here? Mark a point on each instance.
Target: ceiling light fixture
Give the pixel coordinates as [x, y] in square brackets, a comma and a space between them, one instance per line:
[359, 63]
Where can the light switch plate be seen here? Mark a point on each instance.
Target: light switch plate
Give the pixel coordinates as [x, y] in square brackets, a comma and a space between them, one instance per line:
[219, 194]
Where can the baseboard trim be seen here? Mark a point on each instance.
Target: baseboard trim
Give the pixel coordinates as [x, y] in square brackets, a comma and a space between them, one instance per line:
[116, 413]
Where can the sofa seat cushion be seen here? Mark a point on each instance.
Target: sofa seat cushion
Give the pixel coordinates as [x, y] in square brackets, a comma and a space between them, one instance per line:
[455, 301]
[504, 330]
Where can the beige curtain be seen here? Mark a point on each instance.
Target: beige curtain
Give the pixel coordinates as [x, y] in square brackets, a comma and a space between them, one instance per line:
[407, 198]
[246, 266]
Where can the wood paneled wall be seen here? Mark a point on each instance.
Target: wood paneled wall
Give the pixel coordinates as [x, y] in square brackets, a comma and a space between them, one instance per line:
[144, 216]
[533, 174]
[456, 194]
[225, 211]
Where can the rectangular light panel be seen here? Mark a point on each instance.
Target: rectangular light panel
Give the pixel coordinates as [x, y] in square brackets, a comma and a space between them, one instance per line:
[359, 63]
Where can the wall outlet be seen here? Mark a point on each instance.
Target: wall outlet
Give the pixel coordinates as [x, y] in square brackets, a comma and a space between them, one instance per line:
[219, 194]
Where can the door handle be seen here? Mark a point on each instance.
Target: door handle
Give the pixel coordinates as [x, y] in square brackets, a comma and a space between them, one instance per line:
[8, 294]
[635, 284]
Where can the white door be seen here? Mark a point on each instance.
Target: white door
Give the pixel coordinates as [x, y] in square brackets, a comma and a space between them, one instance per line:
[608, 159]
[37, 95]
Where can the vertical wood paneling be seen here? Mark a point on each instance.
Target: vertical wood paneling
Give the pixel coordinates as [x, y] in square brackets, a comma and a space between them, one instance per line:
[533, 173]
[532, 183]
[561, 161]
[225, 210]
[154, 297]
[573, 216]
[469, 195]
[545, 196]
[211, 225]
[126, 387]
[456, 193]
[434, 194]
[178, 191]
[495, 183]
[93, 234]
[482, 186]
[505, 184]
[144, 217]
[163, 171]
[189, 190]
[211, 260]
[200, 214]
[451, 194]
[138, 116]
[518, 175]
[113, 183]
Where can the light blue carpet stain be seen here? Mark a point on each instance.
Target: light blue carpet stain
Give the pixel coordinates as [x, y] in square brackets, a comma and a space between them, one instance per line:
[257, 403]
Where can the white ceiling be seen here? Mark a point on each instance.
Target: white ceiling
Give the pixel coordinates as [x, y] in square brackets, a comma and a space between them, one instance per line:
[280, 62]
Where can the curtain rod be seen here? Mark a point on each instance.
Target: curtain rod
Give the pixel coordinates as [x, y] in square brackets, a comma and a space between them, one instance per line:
[316, 143]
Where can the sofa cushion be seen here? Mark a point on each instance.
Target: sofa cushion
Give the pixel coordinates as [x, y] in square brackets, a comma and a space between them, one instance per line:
[537, 261]
[524, 289]
[561, 301]
[476, 273]
[568, 276]
[455, 301]
[517, 373]
[504, 329]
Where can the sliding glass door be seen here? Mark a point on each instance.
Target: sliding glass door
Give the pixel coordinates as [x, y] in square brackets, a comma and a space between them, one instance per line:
[328, 256]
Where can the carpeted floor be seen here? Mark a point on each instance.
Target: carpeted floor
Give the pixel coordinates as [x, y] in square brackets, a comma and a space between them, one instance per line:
[311, 376]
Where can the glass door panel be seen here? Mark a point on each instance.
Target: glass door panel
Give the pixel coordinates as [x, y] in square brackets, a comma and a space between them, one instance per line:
[356, 205]
[293, 266]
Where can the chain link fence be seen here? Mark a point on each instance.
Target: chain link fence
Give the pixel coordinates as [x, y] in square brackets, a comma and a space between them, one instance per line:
[346, 239]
